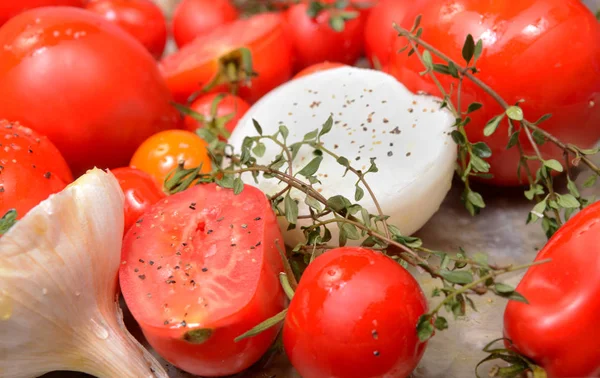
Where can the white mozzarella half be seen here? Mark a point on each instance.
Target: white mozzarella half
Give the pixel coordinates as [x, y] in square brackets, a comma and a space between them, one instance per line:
[374, 116]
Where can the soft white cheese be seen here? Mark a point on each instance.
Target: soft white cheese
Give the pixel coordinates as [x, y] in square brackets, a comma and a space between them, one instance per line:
[374, 116]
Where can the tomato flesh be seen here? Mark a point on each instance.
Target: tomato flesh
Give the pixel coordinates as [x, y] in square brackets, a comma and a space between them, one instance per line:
[196, 17]
[354, 315]
[205, 259]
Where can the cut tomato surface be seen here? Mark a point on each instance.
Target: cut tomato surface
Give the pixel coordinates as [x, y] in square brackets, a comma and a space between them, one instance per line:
[199, 269]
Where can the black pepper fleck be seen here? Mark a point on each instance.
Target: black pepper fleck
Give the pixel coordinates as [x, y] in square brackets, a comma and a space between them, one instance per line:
[209, 232]
[396, 130]
[136, 270]
[142, 276]
[170, 282]
[205, 269]
[183, 323]
[151, 262]
[220, 219]
[47, 175]
[142, 261]
[257, 218]
[193, 205]
[390, 153]
[376, 353]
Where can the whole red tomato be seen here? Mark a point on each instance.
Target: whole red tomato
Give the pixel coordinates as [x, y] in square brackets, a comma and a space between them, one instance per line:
[221, 113]
[354, 315]
[31, 168]
[141, 18]
[201, 268]
[558, 329]
[10, 8]
[217, 55]
[83, 82]
[531, 50]
[141, 191]
[314, 40]
[196, 17]
[318, 68]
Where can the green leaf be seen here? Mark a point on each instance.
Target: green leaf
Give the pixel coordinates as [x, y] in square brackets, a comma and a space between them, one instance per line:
[482, 150]
[326, 126]
[458, 137]
[441, 68]
[425, 328]
[259, 149]
[313, 203]
[515, 113]
[503, 288]
[539, 209]
[337, 23]
[238, 185]
[198, 335]
[453, 70]
[567, 201]
[257, 126]
[416, 24]
[291, 209]
[364, 214]
[590, 151]
[351, 231]
[518, 297]
[226, 181]
[476, 199]
[373, 167]
[284, 131]
[359, 193]
[273, 321]
[492, 125]
[478, 49]
[513, 140]
[427, 60]
[538, 137]
[473, 107]
[590, 181]
[311, 135]
[468, 49]
[343, 161]
[533, 190]
[206, 134]
[441, 323]
[479, 165]
[554, 165]
[312, 167]
[542, 119]
[460, 277]
[8, 220]
[338, 203]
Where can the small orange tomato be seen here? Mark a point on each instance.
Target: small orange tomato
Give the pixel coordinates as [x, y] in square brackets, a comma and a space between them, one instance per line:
[161, 153]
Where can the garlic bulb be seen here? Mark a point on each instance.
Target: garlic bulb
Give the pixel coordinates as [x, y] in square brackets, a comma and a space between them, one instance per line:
[58, 287]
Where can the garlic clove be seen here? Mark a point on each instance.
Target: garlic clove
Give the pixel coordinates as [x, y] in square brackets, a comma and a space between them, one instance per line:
[58, 287]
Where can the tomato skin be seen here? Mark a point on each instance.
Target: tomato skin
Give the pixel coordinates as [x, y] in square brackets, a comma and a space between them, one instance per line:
[354, 314]
[141, 191]
[161, 153]
[516, 39]
[229, 104]
[9, 9]
[215, 266]
[141, 18]
[32, 168]
[112, 95]
[318, 68]
[194, 65]
[558, 328]
[342, 47]
[196, 17]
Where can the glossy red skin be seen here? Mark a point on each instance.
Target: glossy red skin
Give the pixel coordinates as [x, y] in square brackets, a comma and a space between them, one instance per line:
[85, 83]
[314, 41]
[318, 68]
[32, 168]
[143, 19]
[238, 289]
[230, 104]
[196, 17]
[518, 64]
[558, 329]
[141, 191]
[193, 66]
[10, 8]
[351, 304]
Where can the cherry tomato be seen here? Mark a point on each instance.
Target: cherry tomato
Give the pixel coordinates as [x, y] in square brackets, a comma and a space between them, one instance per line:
[528, 47]
[141, 18]
[141, 191]
[201, 269]
[218, 55]
[161, 153]
[354, 314]
[31, 168]
[318, 68]
[343, 46]
[196, 17]
[558, 328]
[221, 112]
[83, 82]
[10, 8]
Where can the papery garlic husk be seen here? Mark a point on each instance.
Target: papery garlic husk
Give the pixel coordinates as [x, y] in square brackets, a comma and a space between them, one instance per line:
[58, 287]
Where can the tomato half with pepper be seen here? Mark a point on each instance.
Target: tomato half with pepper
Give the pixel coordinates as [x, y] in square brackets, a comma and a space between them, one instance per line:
[31, 168]
[559, 329]
[531, 51]
[354, 315]
[220, 113]
[141, 18]
[250, 56]
[196, 17]
[201, 268]
[85, 83]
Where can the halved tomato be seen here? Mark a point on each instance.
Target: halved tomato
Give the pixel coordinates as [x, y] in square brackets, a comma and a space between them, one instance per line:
[218, 58]
[199, 269]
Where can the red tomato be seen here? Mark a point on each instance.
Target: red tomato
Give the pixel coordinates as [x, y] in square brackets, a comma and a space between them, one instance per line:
[200, 269]
[354, 314]
[315, 41]
[31, 168]
[318, 68]
[221, 112]
[161, 153]
[521, 60]
[84, 82]
[141, 18]
[558, 329]
[141, 191]
[10, 8]
[196, 17]
[197, 63]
